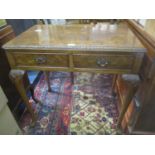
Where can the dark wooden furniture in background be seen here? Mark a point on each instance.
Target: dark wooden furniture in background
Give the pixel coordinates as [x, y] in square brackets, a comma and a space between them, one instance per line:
[95, 21]
[127, 86]
[109, 48]
[14, 99]
[140, 116]
[6, 34]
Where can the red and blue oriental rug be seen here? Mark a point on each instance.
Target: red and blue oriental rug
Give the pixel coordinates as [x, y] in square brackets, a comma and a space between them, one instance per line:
[87, 107]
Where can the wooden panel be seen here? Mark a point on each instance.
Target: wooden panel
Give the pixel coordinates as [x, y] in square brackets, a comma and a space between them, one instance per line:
[145, 121]
[144, 36]
[103, 61]
[6, 34]
[146, 96]
[40, 59]
[132, 112]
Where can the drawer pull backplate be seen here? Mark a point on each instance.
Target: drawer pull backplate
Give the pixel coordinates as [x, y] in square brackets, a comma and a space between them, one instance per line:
[102, 62]
[40, 60]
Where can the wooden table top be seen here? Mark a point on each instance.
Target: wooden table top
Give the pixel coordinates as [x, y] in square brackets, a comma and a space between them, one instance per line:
[100, 37]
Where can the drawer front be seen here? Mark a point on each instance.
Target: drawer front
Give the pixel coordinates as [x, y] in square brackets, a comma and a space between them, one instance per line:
[104, 61]
[39, 59]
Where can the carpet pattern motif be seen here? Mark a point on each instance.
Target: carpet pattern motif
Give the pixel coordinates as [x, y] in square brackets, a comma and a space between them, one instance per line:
[94, 109]
[86, 107]
[53, 113]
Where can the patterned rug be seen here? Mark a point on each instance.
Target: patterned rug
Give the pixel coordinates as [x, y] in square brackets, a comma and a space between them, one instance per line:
[86, 107]
[94, 109]
[54, 112]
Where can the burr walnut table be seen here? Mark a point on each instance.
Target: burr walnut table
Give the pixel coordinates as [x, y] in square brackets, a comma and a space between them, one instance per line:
[101, 48]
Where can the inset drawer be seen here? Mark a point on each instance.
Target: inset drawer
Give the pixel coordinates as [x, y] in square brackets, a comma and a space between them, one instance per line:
[40, 59]
[103, 61]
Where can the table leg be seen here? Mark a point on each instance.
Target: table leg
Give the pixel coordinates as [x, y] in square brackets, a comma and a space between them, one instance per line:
[72, 77]
[114, 84]
[32, 94]
[47, 75]
[16, 77]
[133, 82]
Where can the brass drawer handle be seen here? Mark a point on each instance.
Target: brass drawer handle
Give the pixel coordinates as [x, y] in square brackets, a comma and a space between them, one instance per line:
[40, 60]
[102, 62]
